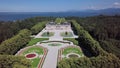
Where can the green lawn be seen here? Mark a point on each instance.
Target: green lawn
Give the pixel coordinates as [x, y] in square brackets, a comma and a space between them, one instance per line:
[45, 34]
[35, 40]
[66, 34]
[72, 40]
[72, 50]
[35, 62]
[54, 44]
[35, 49]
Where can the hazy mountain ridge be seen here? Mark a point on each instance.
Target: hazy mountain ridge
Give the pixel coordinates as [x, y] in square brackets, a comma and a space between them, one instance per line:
[10, 16]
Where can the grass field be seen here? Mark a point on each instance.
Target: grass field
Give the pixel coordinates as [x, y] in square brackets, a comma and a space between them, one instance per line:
[66, 34]
[45, 34]
[37, 50]
[35, 40]
[72, 50]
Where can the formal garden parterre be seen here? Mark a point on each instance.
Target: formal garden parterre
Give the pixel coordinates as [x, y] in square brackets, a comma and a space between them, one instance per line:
[36, 54]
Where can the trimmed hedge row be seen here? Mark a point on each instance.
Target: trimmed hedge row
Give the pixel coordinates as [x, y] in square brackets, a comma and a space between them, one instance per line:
[87, 41]
[12, 45]
[38, 27]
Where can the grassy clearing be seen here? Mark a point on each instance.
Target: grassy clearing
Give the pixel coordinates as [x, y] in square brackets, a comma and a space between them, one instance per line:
[35, 40]
[47, 34]
[66, 34]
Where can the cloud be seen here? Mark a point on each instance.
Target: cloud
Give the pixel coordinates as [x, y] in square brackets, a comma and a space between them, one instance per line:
[116, 4]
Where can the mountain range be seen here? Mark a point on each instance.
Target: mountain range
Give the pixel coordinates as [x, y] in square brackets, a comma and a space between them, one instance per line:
[108, 11]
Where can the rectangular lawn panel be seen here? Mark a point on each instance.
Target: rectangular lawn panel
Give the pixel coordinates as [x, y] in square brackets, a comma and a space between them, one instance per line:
[35, 40]
[49, 34]
[66, 34]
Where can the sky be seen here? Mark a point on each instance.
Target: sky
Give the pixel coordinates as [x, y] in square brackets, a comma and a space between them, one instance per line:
[55, 5]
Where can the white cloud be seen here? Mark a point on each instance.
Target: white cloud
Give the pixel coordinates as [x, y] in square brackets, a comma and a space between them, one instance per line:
[117, 4]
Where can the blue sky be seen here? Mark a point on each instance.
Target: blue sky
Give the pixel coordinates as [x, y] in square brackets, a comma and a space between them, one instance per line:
[55, 5]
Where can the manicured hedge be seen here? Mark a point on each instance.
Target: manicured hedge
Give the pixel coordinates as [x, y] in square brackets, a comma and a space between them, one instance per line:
[38, 27]
[86, 40]
[12, 45]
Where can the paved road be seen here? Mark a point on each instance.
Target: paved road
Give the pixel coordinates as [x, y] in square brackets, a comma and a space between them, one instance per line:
[51, 58]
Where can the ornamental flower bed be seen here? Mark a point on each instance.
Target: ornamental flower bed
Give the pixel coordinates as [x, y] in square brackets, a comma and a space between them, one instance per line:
[30, 56]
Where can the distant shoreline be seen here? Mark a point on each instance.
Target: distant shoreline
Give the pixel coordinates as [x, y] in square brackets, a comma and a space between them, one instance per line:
[13, 16]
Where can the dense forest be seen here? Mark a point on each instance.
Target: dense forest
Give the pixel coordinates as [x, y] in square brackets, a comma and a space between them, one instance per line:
[16, 36]
[99, 38]
[104, 29]
[96, 56]
[10, 28]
